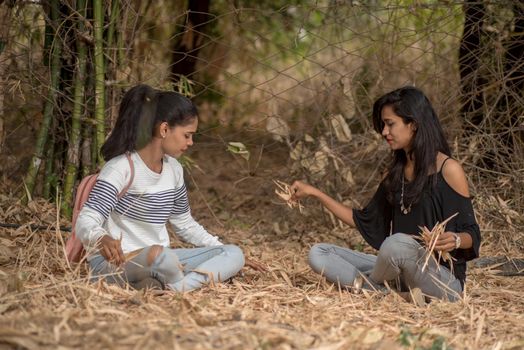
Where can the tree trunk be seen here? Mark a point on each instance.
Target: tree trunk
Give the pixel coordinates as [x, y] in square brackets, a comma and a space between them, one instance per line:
[5, 21]
[190, 39]
[470, 54]
[73, 152]
[512, 106]
[34, 166]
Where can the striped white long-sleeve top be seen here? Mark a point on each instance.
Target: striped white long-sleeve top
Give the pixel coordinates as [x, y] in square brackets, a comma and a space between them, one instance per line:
[140, 216]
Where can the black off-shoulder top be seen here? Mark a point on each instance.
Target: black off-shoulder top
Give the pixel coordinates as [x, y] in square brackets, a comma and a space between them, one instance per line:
[438, 202]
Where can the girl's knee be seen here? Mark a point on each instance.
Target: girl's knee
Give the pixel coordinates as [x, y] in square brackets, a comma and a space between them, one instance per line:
[235, 253]
[401, 238]
[319, 249]
[163, 264]
[153, 253]
[316, 256]
[399, 244]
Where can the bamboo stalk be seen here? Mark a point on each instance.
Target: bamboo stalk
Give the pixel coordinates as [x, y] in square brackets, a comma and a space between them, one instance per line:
[87, 133]
[88, 148]
[73, 152]
[49, 177]
[115, 12]
[36, 160]
[113, 64]
[98, 8]
[121, 40]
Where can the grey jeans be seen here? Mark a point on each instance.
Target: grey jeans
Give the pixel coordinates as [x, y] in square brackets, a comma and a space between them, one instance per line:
[400, 256]
[179, 269]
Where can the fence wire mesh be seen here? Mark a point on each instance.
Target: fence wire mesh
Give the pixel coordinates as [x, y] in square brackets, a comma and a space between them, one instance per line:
[294, 76]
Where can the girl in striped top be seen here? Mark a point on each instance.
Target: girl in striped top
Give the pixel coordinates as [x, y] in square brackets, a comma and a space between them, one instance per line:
[153, 128]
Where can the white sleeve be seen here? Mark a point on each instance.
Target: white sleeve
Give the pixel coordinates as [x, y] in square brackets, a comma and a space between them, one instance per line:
[191, 231]
[89, 227]
[102, 201]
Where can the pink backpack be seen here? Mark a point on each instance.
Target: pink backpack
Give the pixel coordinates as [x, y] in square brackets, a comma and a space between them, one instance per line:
[74, 248]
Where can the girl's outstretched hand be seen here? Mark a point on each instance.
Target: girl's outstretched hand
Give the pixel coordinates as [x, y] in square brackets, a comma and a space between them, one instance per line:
[300, 189]
[111, 250]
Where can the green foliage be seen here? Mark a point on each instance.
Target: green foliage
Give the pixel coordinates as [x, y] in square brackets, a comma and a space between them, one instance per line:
[405, 337]
[184, 86]
[359, 247]
[284, 27]
[236, 223]
[238, 148]
[439, 343]
[188, 162]
[408, 339]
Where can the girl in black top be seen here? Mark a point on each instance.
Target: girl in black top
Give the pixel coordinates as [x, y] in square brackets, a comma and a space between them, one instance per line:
[423, 186]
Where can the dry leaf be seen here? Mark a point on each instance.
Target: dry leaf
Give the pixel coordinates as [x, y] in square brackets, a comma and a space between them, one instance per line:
[277, 127]
[339, 125]
[317, 164]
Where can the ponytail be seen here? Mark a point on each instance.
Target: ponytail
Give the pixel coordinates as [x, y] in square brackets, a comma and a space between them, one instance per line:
[135, 123]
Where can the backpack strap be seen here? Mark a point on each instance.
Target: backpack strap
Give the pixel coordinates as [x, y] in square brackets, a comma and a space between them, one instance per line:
[131, 178]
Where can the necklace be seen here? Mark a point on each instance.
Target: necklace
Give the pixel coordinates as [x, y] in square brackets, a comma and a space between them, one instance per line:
[403, 209]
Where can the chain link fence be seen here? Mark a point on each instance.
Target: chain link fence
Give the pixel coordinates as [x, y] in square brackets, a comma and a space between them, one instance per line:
[298, 74]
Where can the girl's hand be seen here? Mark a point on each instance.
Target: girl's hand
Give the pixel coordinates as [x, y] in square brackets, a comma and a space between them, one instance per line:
[111, 250]
[300, 189]
[446, 242]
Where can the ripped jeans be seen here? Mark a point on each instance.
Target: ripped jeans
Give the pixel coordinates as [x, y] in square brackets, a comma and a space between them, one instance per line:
[400, 256]
[179, 269]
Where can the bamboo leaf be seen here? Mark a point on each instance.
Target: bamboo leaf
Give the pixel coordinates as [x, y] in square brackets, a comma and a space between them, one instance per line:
[238, 148]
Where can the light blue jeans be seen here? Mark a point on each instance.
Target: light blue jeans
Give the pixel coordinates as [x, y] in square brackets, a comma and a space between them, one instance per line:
[179, 269]
[400, 256]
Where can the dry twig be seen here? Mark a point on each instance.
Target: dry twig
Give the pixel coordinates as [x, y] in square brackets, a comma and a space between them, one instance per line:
[284, 192]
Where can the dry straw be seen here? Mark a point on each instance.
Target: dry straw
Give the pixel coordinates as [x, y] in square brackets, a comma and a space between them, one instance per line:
[284, 192]
[51, 305]
[430, 239]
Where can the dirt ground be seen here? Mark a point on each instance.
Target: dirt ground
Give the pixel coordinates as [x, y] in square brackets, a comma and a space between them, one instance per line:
[46, 304]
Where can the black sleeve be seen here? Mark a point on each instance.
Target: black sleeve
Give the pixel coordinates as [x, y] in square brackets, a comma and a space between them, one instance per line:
[464, 222]
[374, 221]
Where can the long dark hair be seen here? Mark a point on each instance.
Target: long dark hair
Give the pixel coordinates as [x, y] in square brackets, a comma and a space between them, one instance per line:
[412, 106]
[142, 109]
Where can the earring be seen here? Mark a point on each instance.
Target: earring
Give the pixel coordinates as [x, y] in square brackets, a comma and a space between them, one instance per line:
[163, 136]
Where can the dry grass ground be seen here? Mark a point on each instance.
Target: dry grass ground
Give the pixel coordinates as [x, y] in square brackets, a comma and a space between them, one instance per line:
[46, 304]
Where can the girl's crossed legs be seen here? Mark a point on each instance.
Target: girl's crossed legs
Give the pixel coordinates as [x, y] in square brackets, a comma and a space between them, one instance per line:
[400, 255]
[179, 269]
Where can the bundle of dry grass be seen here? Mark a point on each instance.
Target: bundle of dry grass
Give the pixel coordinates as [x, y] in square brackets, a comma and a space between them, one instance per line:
[285, 193]
[430, 238]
